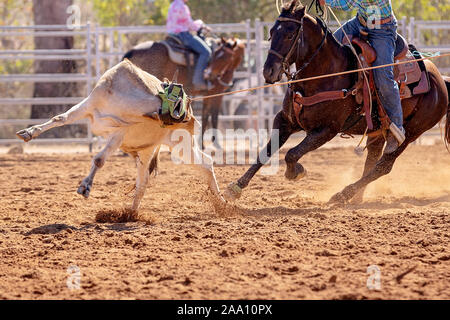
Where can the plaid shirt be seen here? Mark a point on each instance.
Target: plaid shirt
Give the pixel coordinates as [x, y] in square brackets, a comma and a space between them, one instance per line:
[375, 9]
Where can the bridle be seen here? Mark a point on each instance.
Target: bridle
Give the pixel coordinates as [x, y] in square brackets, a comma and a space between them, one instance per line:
[285, 59]
[224, 70]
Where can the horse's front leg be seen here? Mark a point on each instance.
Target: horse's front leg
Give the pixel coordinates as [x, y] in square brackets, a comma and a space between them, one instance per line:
[234, 190]
[312, 141]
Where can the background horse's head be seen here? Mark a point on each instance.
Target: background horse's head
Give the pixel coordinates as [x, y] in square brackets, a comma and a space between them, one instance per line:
[285, 35]
[225, 58]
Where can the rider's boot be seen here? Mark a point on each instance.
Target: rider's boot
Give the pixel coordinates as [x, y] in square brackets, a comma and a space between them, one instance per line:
[395, 137]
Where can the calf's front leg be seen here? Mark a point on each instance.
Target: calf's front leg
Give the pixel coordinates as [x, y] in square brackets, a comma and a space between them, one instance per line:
[113, 143]
[142, 162]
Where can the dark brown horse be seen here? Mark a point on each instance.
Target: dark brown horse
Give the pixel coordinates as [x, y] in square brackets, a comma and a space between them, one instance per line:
[317, 52]
[154, 58]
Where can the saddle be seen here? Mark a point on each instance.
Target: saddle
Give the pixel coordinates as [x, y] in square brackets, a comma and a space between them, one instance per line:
[178, 52]
[411, 76]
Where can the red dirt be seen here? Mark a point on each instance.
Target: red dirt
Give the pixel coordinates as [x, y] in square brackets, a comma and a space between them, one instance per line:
[281, 241]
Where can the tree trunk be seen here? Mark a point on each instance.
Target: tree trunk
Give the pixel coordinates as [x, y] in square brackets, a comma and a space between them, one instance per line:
[51, 12]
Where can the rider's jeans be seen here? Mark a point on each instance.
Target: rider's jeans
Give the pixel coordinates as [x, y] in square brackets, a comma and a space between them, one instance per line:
[382, 40]
[196, 44]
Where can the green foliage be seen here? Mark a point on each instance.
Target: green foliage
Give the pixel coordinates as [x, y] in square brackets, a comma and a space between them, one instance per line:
[422, 9]
[130, 12]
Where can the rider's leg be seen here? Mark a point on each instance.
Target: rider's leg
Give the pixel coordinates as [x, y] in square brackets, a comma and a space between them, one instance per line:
[351, 27]
[382, 40]
[199, 46]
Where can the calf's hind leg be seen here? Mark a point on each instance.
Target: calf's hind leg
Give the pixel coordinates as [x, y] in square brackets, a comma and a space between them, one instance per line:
[75, 113]
[112, 145]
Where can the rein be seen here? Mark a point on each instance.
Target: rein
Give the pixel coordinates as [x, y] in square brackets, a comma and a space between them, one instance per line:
[219, 76]
[285, 59]
[305, 64]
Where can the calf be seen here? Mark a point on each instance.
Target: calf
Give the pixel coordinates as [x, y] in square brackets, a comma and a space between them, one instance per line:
[123, 108]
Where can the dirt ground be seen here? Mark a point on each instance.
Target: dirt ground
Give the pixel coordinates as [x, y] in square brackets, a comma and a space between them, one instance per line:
[285, 243]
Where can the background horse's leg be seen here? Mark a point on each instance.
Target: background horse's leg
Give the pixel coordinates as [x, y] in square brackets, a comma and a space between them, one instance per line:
[312, 141]
[216, 105]
[285, 130]
[374, 150]
[206, 111]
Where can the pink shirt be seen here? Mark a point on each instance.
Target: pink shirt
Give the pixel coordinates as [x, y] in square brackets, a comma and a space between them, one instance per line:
[179, 18]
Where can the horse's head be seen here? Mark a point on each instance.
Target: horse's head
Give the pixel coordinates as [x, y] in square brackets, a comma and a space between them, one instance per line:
[285, 35]
[225, 58]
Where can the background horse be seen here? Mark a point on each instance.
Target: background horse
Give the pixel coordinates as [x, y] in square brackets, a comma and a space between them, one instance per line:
[153, 57]
[306, 41]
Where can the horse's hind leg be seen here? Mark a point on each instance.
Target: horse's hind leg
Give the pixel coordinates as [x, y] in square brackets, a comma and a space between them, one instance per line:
[235, 189]
[312, 141]
[374, 150]
[75, 113]
[383, 167]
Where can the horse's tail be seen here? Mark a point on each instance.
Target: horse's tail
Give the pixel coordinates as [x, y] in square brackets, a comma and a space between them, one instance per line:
[447, 122]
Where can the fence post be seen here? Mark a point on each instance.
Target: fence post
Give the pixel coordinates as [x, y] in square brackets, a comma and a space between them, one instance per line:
[97, 54]
[111, 48]
[258, 49]
[249, 50]
[89, 75]
[404, 27]
[411, 30]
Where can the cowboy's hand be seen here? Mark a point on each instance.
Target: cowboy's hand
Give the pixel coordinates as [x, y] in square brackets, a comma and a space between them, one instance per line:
[206, 28]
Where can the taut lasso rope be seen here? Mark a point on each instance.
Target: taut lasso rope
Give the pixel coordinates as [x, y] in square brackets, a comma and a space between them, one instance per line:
[315, 78]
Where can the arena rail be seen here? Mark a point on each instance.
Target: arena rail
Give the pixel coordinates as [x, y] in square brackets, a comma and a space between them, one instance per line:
[103, 47]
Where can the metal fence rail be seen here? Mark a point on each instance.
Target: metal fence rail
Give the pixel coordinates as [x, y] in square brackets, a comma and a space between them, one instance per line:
[104, 46]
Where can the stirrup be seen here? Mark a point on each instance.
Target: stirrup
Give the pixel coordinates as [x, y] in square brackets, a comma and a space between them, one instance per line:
[398, 134]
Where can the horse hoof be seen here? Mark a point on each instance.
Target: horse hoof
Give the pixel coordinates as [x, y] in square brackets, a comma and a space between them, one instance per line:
[84, 190]
[338, 198]
[24, 135]
[300, 172]
[233, 192]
